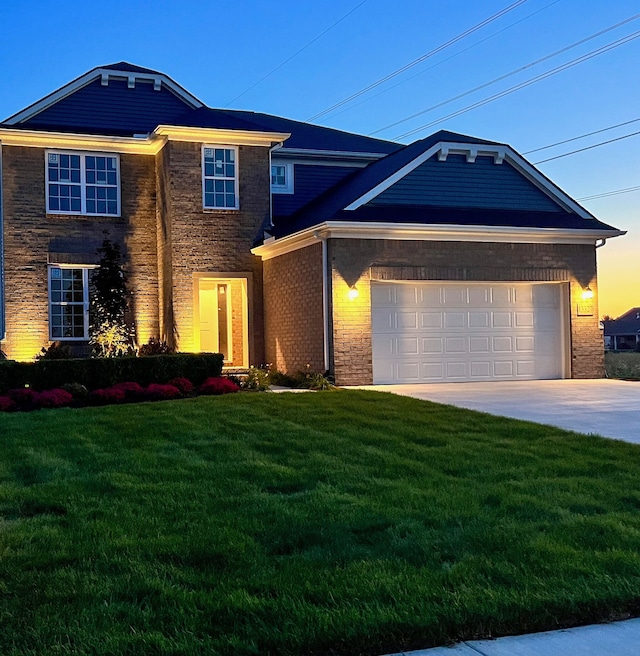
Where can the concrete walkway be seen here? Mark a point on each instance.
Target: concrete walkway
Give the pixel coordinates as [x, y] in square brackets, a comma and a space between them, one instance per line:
[615, 639]
[605, 407]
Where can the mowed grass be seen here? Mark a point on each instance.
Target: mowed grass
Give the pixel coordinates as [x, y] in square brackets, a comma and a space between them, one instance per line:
[346, 522]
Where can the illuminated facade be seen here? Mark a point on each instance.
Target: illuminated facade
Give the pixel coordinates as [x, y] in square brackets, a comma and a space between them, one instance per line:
[271, 240]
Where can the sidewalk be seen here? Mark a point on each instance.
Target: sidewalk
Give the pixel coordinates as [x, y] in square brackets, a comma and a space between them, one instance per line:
[615, 639]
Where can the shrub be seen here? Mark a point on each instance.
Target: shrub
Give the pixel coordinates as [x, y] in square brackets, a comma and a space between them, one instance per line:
[55, 398]
[107, 396]
[23, 396]
[284, 380]
[218, 385]
[157, 392]
[55, 351]
[7, 404]
[312, 380]
[99, 373]
[155, 346]
[183, 384]
[132, 391]
[77, 390]
[257, 378]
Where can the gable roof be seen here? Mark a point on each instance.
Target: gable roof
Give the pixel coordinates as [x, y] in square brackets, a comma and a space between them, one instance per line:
[354, 199]
[123, 99]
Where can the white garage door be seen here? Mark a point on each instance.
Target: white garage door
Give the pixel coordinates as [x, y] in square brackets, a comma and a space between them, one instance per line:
[445, 332]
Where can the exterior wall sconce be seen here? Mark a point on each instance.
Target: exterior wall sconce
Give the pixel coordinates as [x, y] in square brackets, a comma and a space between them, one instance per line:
[587, 294]
[353, 293]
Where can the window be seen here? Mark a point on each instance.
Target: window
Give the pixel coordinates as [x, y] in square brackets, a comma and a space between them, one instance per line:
[68, 303]
[282, 178]
[83, 183]
[220, 178]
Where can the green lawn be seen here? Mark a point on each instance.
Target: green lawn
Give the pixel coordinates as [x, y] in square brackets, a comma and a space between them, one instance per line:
[344, 522]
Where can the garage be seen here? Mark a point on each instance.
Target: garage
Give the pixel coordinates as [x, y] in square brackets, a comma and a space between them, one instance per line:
[427, 332]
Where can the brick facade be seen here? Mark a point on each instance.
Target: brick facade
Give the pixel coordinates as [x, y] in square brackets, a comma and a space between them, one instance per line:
[294, 333]
[193, 241]
[358, 261]
[33, 239]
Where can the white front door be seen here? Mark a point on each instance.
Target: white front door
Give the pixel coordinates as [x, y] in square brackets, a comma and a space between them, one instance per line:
[452, 332]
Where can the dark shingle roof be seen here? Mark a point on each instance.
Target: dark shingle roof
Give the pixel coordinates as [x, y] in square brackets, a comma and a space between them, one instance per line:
[627, 324]
[330, 205]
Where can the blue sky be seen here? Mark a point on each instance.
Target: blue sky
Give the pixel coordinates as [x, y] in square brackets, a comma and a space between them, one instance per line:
[219, 50]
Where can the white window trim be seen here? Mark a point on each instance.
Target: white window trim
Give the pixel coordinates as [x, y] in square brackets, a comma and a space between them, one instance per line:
[83, 184]
[85, 300]
[286, 188]
[236, 178]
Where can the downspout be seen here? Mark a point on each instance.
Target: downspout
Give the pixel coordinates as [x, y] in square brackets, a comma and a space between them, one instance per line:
[274, 147]
[325, 302]
[2, 318]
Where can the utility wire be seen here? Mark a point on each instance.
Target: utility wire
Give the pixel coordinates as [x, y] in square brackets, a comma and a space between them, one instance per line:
[415, 62]
[526, 83]
[444, 61]
[582, 136]
[295, 54]
[580, 150]
[507, 75]
[615, 192]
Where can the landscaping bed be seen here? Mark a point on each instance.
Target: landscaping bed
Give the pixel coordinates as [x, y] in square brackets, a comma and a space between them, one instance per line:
[622, 365]
[348, 522]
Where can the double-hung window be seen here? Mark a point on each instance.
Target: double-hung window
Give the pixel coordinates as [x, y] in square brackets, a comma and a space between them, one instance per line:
[68, 302]
[83, 183]
[220, 177]
[282, 178]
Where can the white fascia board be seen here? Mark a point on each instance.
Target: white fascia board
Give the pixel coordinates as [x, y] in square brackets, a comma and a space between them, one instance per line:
[149, 145]
[421, 232]
[304, 153]
[220, 136]
[472, 150]
[103, 74]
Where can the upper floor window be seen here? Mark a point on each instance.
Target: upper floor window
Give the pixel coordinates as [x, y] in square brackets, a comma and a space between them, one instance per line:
[220, 177]
[282, 178]
[83, 183]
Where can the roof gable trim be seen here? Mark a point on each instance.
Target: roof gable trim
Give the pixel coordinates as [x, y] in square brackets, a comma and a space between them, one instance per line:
[104, 74]
[500, 153]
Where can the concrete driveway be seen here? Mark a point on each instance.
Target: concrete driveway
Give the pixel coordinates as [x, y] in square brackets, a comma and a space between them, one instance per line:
[606, 407]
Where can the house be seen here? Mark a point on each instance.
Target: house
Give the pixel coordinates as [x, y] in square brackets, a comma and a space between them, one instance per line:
[623, 333]
[272, 240]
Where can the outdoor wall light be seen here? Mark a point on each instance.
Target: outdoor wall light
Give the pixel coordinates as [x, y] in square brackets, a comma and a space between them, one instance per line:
[587, 294]
[353, 293]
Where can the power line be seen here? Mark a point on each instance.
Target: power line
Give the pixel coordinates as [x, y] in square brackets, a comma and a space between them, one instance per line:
[580, 150]
[582, 136]
[615, 192]
[522, 85]
[444, 61]
[295, 54]
[415, 62]
[506, 75]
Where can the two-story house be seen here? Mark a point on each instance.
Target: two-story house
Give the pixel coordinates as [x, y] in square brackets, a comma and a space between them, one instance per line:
[272, 240]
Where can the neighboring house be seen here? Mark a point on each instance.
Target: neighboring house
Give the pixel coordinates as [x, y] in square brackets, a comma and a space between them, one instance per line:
[277, 241]
[623, 333]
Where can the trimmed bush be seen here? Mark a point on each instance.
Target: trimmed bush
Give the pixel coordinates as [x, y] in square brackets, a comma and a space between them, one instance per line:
[100, 373]
[132, 391]
[157, 392]
[183, 384]
[107, 396]
[23, 396]
[7, 404]
[55, 398]
[218, 385]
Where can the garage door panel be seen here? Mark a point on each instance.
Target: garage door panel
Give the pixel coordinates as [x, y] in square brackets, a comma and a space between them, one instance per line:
[455, 319]
[432, 320]
[473, 332]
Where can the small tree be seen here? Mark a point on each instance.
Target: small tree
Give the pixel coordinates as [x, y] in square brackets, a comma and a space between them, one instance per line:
[111, 334]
